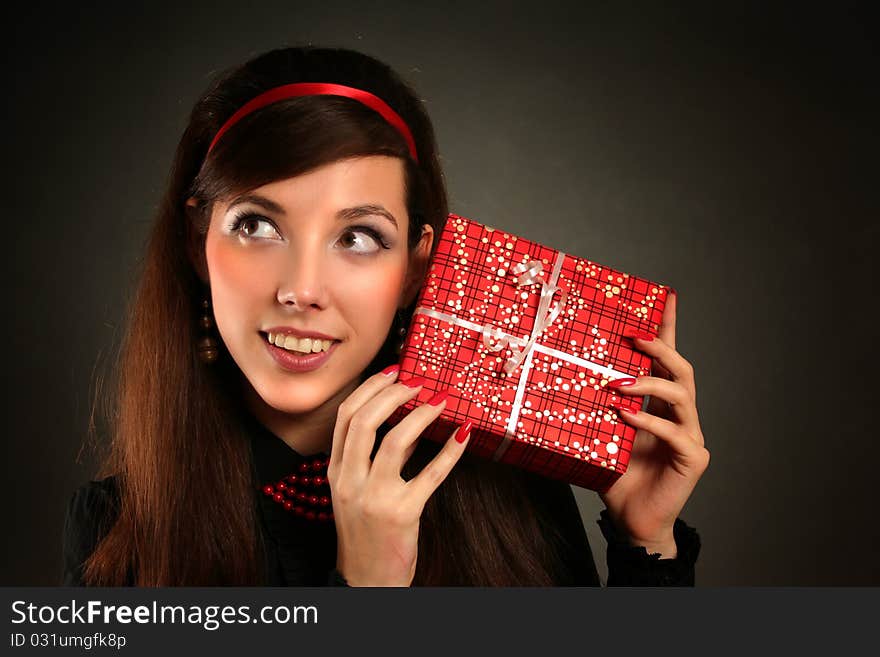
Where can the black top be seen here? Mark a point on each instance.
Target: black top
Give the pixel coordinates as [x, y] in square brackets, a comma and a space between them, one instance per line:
[302, 552]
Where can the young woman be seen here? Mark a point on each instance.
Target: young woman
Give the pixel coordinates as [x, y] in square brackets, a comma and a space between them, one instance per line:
[300, 216]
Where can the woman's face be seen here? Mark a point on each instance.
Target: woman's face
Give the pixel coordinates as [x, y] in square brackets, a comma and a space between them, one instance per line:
[323, 252]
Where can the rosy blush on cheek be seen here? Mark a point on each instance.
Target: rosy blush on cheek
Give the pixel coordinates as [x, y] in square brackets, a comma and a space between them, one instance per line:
[379, 290]
[238, 285]
[370, 301]
[235, 269]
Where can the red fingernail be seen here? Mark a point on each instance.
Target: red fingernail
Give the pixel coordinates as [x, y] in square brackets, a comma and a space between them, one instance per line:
[617, 383]
[625, 409]
[391, 369]
[413, 382]
[437, 399]
[464, 431]
[641, 335]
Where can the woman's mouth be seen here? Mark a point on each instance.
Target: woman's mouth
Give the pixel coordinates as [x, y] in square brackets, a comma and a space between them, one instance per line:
[298, 355]
[299, 345]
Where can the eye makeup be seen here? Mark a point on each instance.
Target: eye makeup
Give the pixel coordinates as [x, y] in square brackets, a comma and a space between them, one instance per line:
[234, 224]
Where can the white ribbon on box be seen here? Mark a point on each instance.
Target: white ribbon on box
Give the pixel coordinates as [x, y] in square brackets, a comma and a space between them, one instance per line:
[529, 274]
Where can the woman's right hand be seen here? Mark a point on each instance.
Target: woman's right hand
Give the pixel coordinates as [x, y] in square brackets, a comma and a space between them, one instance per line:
[376, 512]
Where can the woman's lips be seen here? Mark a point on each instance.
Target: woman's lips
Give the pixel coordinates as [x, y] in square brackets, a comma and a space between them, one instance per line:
[295, 362]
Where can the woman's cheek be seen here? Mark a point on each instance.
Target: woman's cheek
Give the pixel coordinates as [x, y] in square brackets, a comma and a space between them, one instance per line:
[375, 294]
[236, 267]
[237, 284]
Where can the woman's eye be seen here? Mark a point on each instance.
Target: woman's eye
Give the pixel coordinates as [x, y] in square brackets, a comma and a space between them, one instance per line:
[249, 226]
[355, 238]
[358, 239]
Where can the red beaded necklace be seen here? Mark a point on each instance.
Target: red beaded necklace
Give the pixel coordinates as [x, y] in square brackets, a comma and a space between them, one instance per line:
[306, 493]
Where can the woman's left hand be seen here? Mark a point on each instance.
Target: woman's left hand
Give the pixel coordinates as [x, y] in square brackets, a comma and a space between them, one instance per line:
[669, 455]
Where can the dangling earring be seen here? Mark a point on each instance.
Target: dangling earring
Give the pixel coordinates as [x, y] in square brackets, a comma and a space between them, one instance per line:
[207, 344]
[401, 332]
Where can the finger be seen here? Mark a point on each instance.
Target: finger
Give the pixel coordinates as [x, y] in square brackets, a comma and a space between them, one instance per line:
[423, 485]
[362, 426]
[674, 394]
[659, 407]
[670, 432]
[363, 393]
[409, 452]
[678, 367]
[667, 331]
[398, 443]
[667, 323]
[659, 371]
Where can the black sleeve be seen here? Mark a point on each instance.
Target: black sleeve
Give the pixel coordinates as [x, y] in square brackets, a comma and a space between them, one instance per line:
[631, 565]
[90, 512]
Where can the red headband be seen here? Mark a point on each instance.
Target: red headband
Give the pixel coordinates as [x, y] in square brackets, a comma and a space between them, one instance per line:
[316, 89]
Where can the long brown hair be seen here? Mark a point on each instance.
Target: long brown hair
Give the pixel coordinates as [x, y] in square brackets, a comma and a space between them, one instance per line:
[186, 512]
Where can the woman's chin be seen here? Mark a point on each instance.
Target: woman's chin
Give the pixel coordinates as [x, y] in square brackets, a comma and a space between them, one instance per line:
[296, 404]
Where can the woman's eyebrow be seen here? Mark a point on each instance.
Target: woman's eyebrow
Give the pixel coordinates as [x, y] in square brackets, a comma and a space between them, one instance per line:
[256, 199]
[346, 214]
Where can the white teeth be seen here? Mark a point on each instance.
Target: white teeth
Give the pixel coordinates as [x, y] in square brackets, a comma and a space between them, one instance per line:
[303, 345]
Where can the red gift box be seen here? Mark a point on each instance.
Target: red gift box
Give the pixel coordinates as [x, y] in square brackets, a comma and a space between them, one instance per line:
[527, 338]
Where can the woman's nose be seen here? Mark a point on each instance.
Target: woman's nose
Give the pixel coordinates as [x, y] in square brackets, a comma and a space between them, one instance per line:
[304, 280]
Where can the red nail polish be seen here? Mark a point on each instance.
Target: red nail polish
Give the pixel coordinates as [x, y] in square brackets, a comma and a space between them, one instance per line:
[391, 369]
[624, 408]
[437, 399]
[641, 335]
[464, 431]
[413, 382]
[619, 383]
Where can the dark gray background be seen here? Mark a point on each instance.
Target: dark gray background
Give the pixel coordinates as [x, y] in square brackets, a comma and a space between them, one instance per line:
[730, 153]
